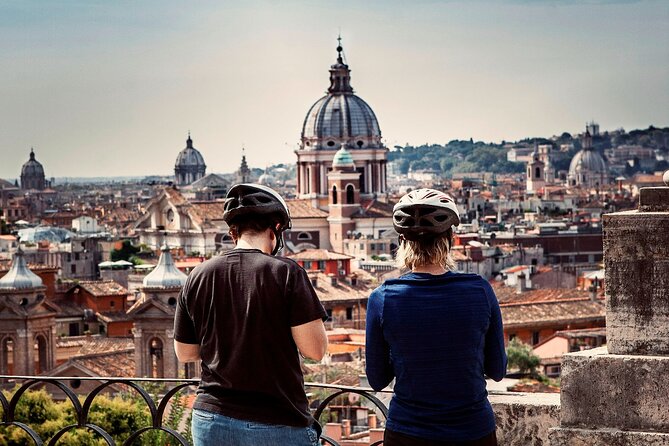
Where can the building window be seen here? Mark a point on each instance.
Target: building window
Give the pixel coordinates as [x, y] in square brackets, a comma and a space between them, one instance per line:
[512, 336]
[535, 337]
[334, 194]
[537, 172]
[349, 313]
[321, 265]
[73, 268]
[304, 236]
[112, 304]
[350, 194]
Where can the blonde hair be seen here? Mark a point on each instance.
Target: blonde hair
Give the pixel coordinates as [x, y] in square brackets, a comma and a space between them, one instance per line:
[427, 251]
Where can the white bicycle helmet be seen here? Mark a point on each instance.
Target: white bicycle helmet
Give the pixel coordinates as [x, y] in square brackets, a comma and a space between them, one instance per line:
[424, 212]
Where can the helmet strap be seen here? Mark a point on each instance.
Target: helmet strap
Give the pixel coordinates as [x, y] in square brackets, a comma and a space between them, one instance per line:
[278, 246]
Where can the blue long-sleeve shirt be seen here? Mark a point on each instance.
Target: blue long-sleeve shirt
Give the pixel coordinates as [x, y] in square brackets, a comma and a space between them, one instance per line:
[438, 335]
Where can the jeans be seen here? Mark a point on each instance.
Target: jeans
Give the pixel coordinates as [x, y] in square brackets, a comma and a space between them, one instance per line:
[212, 429]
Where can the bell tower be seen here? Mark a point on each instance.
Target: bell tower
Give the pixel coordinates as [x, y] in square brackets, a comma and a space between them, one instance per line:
[153, 315]
[535, 173]
[27, 322]
[344, 197]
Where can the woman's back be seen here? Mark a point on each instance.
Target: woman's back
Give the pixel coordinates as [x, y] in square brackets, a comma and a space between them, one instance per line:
[437, 335]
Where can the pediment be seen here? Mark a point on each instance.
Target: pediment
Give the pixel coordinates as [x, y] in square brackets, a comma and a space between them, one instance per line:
[151, 308]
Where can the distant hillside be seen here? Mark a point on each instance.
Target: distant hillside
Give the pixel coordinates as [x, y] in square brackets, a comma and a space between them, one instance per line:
[456, 156]
[469, 156]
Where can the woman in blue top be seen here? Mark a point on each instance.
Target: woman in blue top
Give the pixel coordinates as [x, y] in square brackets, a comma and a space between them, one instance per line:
[436, 332]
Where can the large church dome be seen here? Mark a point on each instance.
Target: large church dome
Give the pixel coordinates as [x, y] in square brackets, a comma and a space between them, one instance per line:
[340, 117]
[189, 156]
[587, 160]
[32, 174]
[189, 166]
[587, 167]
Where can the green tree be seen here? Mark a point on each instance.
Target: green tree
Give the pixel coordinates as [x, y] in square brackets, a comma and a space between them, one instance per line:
[126, 251]
[522, 358]
[118, 416]
[4, 230]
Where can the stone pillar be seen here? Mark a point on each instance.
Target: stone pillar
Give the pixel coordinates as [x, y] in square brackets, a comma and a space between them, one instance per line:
[619, 394]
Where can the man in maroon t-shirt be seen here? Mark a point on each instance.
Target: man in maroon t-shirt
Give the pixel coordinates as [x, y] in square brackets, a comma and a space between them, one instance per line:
[248, 315]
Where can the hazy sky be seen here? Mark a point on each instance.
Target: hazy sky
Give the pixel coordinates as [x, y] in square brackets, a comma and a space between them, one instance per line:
[106, 88]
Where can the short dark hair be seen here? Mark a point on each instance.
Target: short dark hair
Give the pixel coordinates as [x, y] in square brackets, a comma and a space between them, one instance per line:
[253, 223]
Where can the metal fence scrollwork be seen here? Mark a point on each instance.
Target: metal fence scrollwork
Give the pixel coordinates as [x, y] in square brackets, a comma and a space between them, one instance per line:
[157, 410]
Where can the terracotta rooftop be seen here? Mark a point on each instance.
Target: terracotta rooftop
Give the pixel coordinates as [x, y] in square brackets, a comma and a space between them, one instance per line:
[93, 345]
[204, 212]
[175, 196]
[113, 316]
[68, 308]
[555, 312]
[318, 254]
[304, 209]
[508, 295]
[118, 364]
[343, 291]
[103, 288]
[374, 209]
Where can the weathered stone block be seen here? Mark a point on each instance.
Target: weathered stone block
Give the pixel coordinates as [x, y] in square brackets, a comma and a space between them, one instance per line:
[654, 199]
[582, 437]
[626, 392]
[636, 246]
[525, 418]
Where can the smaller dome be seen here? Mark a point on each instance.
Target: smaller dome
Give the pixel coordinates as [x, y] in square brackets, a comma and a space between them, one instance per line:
[32, 167]
[189, 156]
[342, 158]
[19, 277]
[266, 179]
[587, 160]
[165, 274]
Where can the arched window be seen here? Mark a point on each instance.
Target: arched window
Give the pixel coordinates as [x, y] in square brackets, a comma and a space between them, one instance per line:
[304, 236]
[334, 194]
[350, 194]
[537, 172]
[156, 369]
[41, 363]
[7, 356]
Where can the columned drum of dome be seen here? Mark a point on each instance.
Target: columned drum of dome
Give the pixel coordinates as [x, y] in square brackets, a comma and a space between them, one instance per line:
[340, 119]
[189, 166]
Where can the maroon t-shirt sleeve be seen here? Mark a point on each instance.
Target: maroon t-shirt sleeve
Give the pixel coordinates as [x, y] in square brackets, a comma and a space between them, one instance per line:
[304, 304]
[184, 328]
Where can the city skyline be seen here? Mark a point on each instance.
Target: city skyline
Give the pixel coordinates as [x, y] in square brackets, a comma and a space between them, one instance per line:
[112, 90]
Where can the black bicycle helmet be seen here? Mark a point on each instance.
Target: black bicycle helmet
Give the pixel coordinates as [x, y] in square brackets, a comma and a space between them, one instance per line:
[424, 212]
[256, 199]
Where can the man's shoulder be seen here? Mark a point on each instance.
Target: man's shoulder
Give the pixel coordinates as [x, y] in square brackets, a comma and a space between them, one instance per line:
[258, 259]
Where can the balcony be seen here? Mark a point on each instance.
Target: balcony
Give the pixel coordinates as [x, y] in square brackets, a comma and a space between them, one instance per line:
[350, 416]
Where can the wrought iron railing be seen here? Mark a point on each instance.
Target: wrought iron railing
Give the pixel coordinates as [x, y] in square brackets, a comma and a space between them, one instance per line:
[157, 408]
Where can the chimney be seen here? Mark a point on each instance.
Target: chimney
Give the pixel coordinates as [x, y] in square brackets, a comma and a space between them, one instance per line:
[521, 284]
[528, 280]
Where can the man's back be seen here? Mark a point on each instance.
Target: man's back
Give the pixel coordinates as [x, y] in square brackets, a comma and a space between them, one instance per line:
[240, 307]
